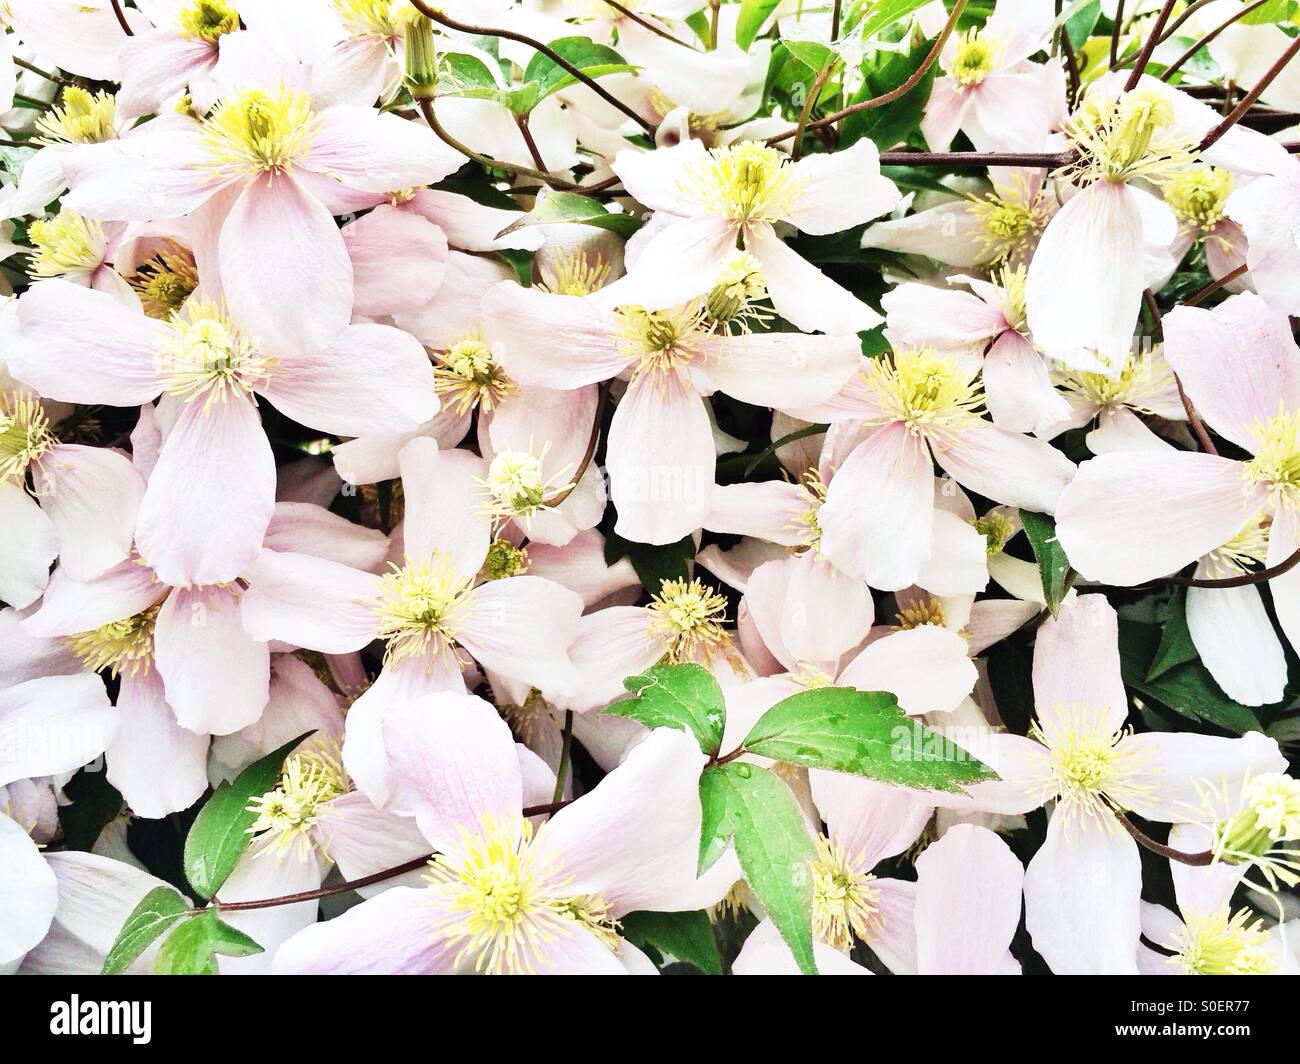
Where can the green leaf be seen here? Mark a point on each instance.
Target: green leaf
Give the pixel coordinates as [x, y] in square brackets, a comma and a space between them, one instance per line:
[685, 697]
[897, 120]
[865, 733]
[753, 13]
[687, 936]
[1176, 646]
[1188, 689]
[1273, 11]
[812, 54]
[752, 805]
[1081, 23]
[157, 911]
[552, 207]
[193, 947]
[1052, 562]
[594, 60]
[219, 833]
[468, 76]
[883, 15]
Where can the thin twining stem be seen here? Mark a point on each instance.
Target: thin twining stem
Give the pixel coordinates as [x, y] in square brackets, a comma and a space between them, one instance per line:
[121, 19]
[364, 881]
[1153, 38]
[1248, 101]
[888, 97]
[1177, 64]
[1199, 860]
[546, 50]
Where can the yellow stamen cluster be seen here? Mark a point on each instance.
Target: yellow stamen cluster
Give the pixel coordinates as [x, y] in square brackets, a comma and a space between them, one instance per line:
[932, 394]
[82, 117]
[287, 814]
[1126, 136]
[207, 20]
[504, 560]
[928, 611]
[996, 528]
[660, 341]
[975, 58]
[166, 281]
[691, 615]
[730, 303]
[1267, 817]
[1010, 219]
[574, 272]
[203, 357]
[1247, 548]
[747, 182]
[504, 899]
[1276, 464]
[25, 435]
[1218, 944]
[805, 521]
[517, 485]
[119, 646]
[470, 377]
[374, 18]
[1199, 194]
[844, 900]
[1012, 282]
[255, 133]
[1090, 772]
[1144, 376]
[416, 607]
[66, 245]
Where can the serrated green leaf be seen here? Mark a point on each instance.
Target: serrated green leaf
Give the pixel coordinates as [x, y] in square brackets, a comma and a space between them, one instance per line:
[753, 14]
[552, 207]
[685, 697]
[468, 76]
[688, 936]
[1040, 530]
[1188, 689]
[157, 911]
[753, 807]
[865, 733]
[1176, 646]
[219, 834]
[594, 60]
[192, 949]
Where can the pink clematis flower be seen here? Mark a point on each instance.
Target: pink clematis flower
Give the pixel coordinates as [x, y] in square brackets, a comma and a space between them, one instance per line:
[708, 202]
[216, 463]
[660, 453]
[502, 895]
[1268, 211]
[893, 422]
[428, 610]
[989, 91]
[1083, 887]
[273, 168]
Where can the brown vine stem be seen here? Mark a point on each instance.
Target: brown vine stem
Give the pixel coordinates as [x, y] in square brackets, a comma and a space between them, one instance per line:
[354, 884]
[121, 19]
[590, 453]
[1200, 294]
[546, 50]
[1149, 46]
[1199, 860]
[1193, 418]
[835, 21]
[813, 92]
[646, 24]
[41, 73]
[1248, 101]
[522, 122]
[1115, 34]
[1196, 46]
[888, 97]
[1049, 160]
[1260, 576]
